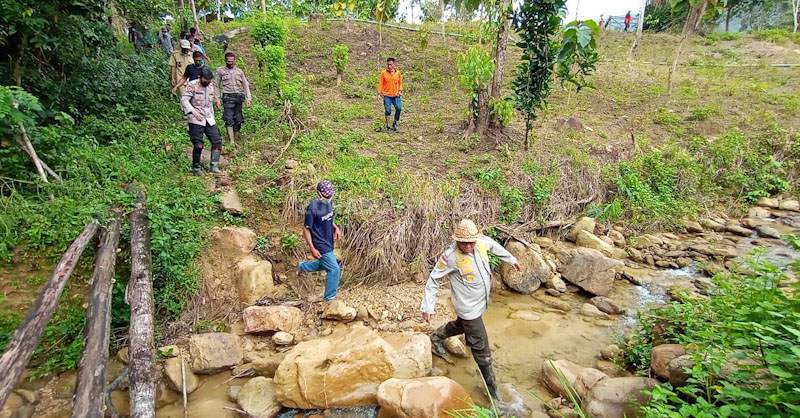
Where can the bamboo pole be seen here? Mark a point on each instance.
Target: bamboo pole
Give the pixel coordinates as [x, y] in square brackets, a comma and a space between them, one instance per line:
[140, 299]
[91, 382]
[27, 336]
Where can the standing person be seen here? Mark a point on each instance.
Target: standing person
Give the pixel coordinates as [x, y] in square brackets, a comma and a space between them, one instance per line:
[192, 71]
[234, 89]
[390, 88]
[198, 46]
[466, 263]
[178, 62]
[602, 19]
[320, 232]
[197, 105]
[627, 21]
[165, 40]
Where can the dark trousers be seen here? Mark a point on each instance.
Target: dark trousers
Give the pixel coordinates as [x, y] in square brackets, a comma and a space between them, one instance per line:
[475, 333]
[232, 110]
[396, 102]
[196, 133]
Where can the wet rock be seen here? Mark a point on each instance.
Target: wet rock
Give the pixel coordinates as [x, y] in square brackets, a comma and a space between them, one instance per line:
[255, 279]
[233, 240]
[647, 241]
[282, 338]
[535, 269]
[271, 318]
[337, 310]
[665, 264]
[611, 352]
[632, 278]
[412, 354]
[606, 305]
[591, 311]
[611, 369]
[233, 393]
[583, 224]
[591, 271]
[693, 227]
[768, 232]
[712, 268]
[683, 261]
[712, 225]
[589, 240]
[704, 285]
[738, 230]
[758, 212]
[587, 379]
[790, 204]
[172, 373]
[682, 292]
[525, 316]
[257, 398]
[554, 303]
[768, 202]
[554, 282]
[552, 369]
[454, 346]
[662, 355]
[425, 397]
[618, 397]
[715, 250]
[511, 403]
[214, 351]
[231, 202]
[679, 368]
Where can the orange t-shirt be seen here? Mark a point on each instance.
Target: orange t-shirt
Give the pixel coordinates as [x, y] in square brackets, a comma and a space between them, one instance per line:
[390, 83]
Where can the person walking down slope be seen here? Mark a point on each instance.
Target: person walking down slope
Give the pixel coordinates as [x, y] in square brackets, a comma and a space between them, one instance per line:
[466, 264]
[178, 62]
[198, 107]
[390, 88]
[627, 21]
[192, 71]
[320, 232]
[165, 40]
[234, 89]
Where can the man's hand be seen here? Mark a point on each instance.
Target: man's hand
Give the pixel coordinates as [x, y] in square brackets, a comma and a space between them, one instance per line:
[197, 114]
[315, 253]
[219, 104]
[517, 267]
[399, 93]
[337, 233]
[427, 317]
[248, 103]
[174, 89]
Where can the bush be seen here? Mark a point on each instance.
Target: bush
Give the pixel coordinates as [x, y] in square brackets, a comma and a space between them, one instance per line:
[776, 35]
[341, 57]
[503, 109]
[475, 69]
[270, 30]
[422, 36]
[272, 60]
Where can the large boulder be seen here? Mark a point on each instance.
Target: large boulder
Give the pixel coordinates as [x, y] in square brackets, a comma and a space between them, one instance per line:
[257, 398]
[535, 269]
[255, 279]
[662, 355]
[550, 375]
[768, 202]
[174, 377]
[586, 380]
[272, 318]
[679, 368]
[231, 202]
[647, 241]
[589, 240]
[234, 239]
[790, 204]
[583, 224]
[412, 354]
[425, 397]
[591, 271]
[618, 397]
[341, 370]
[606, 305]
[338, 311]
[214, 351]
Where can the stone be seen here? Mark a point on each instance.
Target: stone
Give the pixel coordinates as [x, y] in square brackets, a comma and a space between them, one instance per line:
[712, 225]
[267, 365]
[647, 241]
[589, 310]
[683, 261]
[13, 404]
[28, 395]
[214, 351]
[617, 397]
[606, 305]
[662, 355]
[714, 250]
[525, 316]
[611, 352]
[554, 292]
[551, 371]
[543, 242]
[511, 402]
[337, 310]
[589, 240]
[591, 271]
[172, 373]
[342, 370]
[272, 318]
[233, 393]
[554, 303]
[233, 239]
[257, 398]
[768, 232]
[122, 355]
[611, 369]
[738, 229]
[678, 369]
[282, 338]
[768, 202]
[790, 204]
[632, 278]
[362, 314]
[583, 224]
[693, 227]
[535, 269]
[454, 346]
[164, 395]
[556, 283]
[617, 238]
[255, 279]
[412, 354]
[291, 164]
[231, 202]
[759, 213]
[586, 380]
[425, 397]
[704, 285]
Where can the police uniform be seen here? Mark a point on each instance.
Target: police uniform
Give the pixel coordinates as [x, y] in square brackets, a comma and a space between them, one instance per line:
[197, 97]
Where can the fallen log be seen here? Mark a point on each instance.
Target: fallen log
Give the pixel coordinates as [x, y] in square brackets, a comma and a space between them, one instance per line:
[91, 381]
[139, 296]
[26, 337]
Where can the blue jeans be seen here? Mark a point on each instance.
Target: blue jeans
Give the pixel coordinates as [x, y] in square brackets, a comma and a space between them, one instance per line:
[328, 263]
[395, 101]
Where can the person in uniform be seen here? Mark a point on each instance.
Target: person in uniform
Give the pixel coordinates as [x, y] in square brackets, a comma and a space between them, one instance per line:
[197, 103]
[178, 62]
[234, 89]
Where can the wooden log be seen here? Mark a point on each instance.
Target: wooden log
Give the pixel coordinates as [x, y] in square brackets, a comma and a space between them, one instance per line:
[91, 381]
[140, 298]
[27, 336]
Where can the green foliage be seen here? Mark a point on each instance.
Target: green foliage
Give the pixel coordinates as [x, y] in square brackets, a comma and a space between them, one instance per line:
[431, 11]
[745, 343]
[578, 57]
[660, 18]
[385, 10]
[272, 60]
[269, 30]
[290, 242]
[503, 109]
[475, 69]
[704, 112]
[209, 325]
[666, 117]
[777, 35]
[341, 57]
[793, 240]
[724, 36]
[608, 213]
[62, 342]
[512, 199]
[423, 35]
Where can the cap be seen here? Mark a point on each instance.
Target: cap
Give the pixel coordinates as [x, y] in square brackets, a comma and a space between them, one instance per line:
[185, 44]
[325, 188]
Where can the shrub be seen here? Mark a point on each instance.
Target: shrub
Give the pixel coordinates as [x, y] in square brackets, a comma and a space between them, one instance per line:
[272, 60]
[703, 112]
[422, 36]
[666, 117]
[270, 30]
[776, 35]
[341, 57]
[503, 109]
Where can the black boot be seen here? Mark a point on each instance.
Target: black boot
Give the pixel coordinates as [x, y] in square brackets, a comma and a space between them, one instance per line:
[215, 161]
[491, 384]
[197, 170]
[437, 344]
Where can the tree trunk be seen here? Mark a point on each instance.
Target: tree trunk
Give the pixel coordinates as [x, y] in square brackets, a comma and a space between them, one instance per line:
[26, 337]
[264, 6]
[140, 298]
[380, 34]
[219, 10]
[727, 18]
[444, 33]
[527, 132]
[639, 29]
[338, 79]
[25, 143]
[796, 12]
[91, 380]
[483, 111]
[692, 22]
[194, 14]
[499, 57]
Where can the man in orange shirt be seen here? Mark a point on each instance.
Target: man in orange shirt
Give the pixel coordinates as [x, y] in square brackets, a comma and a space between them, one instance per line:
[390, 88]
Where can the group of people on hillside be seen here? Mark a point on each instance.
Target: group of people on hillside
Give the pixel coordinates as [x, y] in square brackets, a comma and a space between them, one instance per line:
[627, 21]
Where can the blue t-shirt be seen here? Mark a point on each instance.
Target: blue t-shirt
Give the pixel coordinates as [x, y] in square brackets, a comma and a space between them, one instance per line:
[319, 221]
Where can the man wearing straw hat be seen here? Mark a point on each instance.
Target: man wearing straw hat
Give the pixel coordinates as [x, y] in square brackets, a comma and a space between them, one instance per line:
[466, 262]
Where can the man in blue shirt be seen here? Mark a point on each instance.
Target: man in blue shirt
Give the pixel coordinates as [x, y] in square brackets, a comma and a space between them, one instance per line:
[320, 232]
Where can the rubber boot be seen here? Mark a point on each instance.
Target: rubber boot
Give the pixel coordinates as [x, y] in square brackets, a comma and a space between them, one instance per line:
[197, 170]
[437, 344]
[232, 135]
[491, 384]
[215, 161]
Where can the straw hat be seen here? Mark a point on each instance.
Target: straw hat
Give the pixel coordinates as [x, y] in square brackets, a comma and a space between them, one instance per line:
[466, 231]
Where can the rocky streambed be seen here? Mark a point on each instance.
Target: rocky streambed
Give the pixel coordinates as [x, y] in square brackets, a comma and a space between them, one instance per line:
[369, 353]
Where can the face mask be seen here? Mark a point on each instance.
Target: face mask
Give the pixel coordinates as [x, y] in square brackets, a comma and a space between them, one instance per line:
[185, 51]
[229, 65]
[205, 83]
[198, 62]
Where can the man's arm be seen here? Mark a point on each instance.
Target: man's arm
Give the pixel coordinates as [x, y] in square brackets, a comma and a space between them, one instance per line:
[181, 82]
[246, 84]
[308, 223]
[186, 102]
[440, 271]
[400, 87]
[218, 83]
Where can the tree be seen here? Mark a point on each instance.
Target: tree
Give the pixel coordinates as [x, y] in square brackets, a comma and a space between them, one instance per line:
[430, 11]
[475, 69]
[639, 27]
[697, 9]
[384, 11]
[795, 13]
